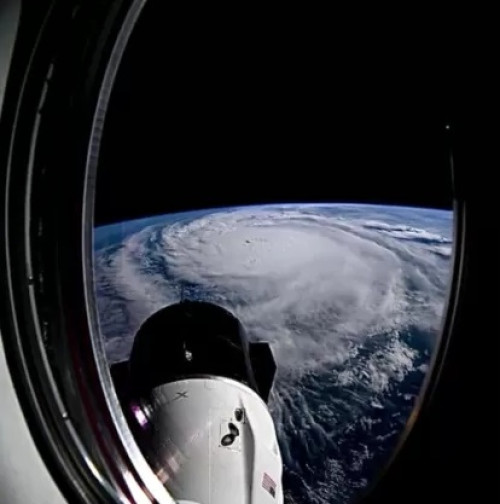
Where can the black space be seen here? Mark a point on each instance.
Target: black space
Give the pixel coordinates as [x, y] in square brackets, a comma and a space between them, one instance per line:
[216, 118]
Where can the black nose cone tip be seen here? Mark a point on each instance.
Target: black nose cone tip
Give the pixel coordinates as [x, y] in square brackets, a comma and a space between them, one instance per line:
[187, 339]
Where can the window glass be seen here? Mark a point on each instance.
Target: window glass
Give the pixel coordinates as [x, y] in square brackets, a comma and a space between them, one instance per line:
[349, 292]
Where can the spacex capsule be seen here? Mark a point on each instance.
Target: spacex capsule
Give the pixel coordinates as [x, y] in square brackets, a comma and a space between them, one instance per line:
[195, 394]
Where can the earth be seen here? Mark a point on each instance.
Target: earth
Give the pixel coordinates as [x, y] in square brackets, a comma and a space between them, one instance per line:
[350, 297]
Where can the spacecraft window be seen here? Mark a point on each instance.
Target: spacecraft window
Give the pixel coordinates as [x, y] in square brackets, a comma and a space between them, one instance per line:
[345, 288]
[350, 292]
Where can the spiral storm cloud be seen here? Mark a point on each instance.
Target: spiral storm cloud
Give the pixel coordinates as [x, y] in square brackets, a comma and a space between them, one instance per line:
[349, 296]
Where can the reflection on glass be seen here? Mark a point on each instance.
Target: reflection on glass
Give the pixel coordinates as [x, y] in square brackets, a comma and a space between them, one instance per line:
[349, 296]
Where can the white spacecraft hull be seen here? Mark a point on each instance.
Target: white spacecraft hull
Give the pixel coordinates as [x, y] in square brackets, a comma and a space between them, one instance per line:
[232, 457]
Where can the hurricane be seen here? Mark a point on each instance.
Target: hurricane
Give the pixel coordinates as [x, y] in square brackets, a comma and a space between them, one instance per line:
[350, 297]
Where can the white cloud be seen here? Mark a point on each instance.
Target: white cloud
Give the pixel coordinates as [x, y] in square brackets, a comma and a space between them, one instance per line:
[311, 284]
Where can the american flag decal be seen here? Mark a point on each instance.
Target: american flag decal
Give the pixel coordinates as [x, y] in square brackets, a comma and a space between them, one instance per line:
[269, 484]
